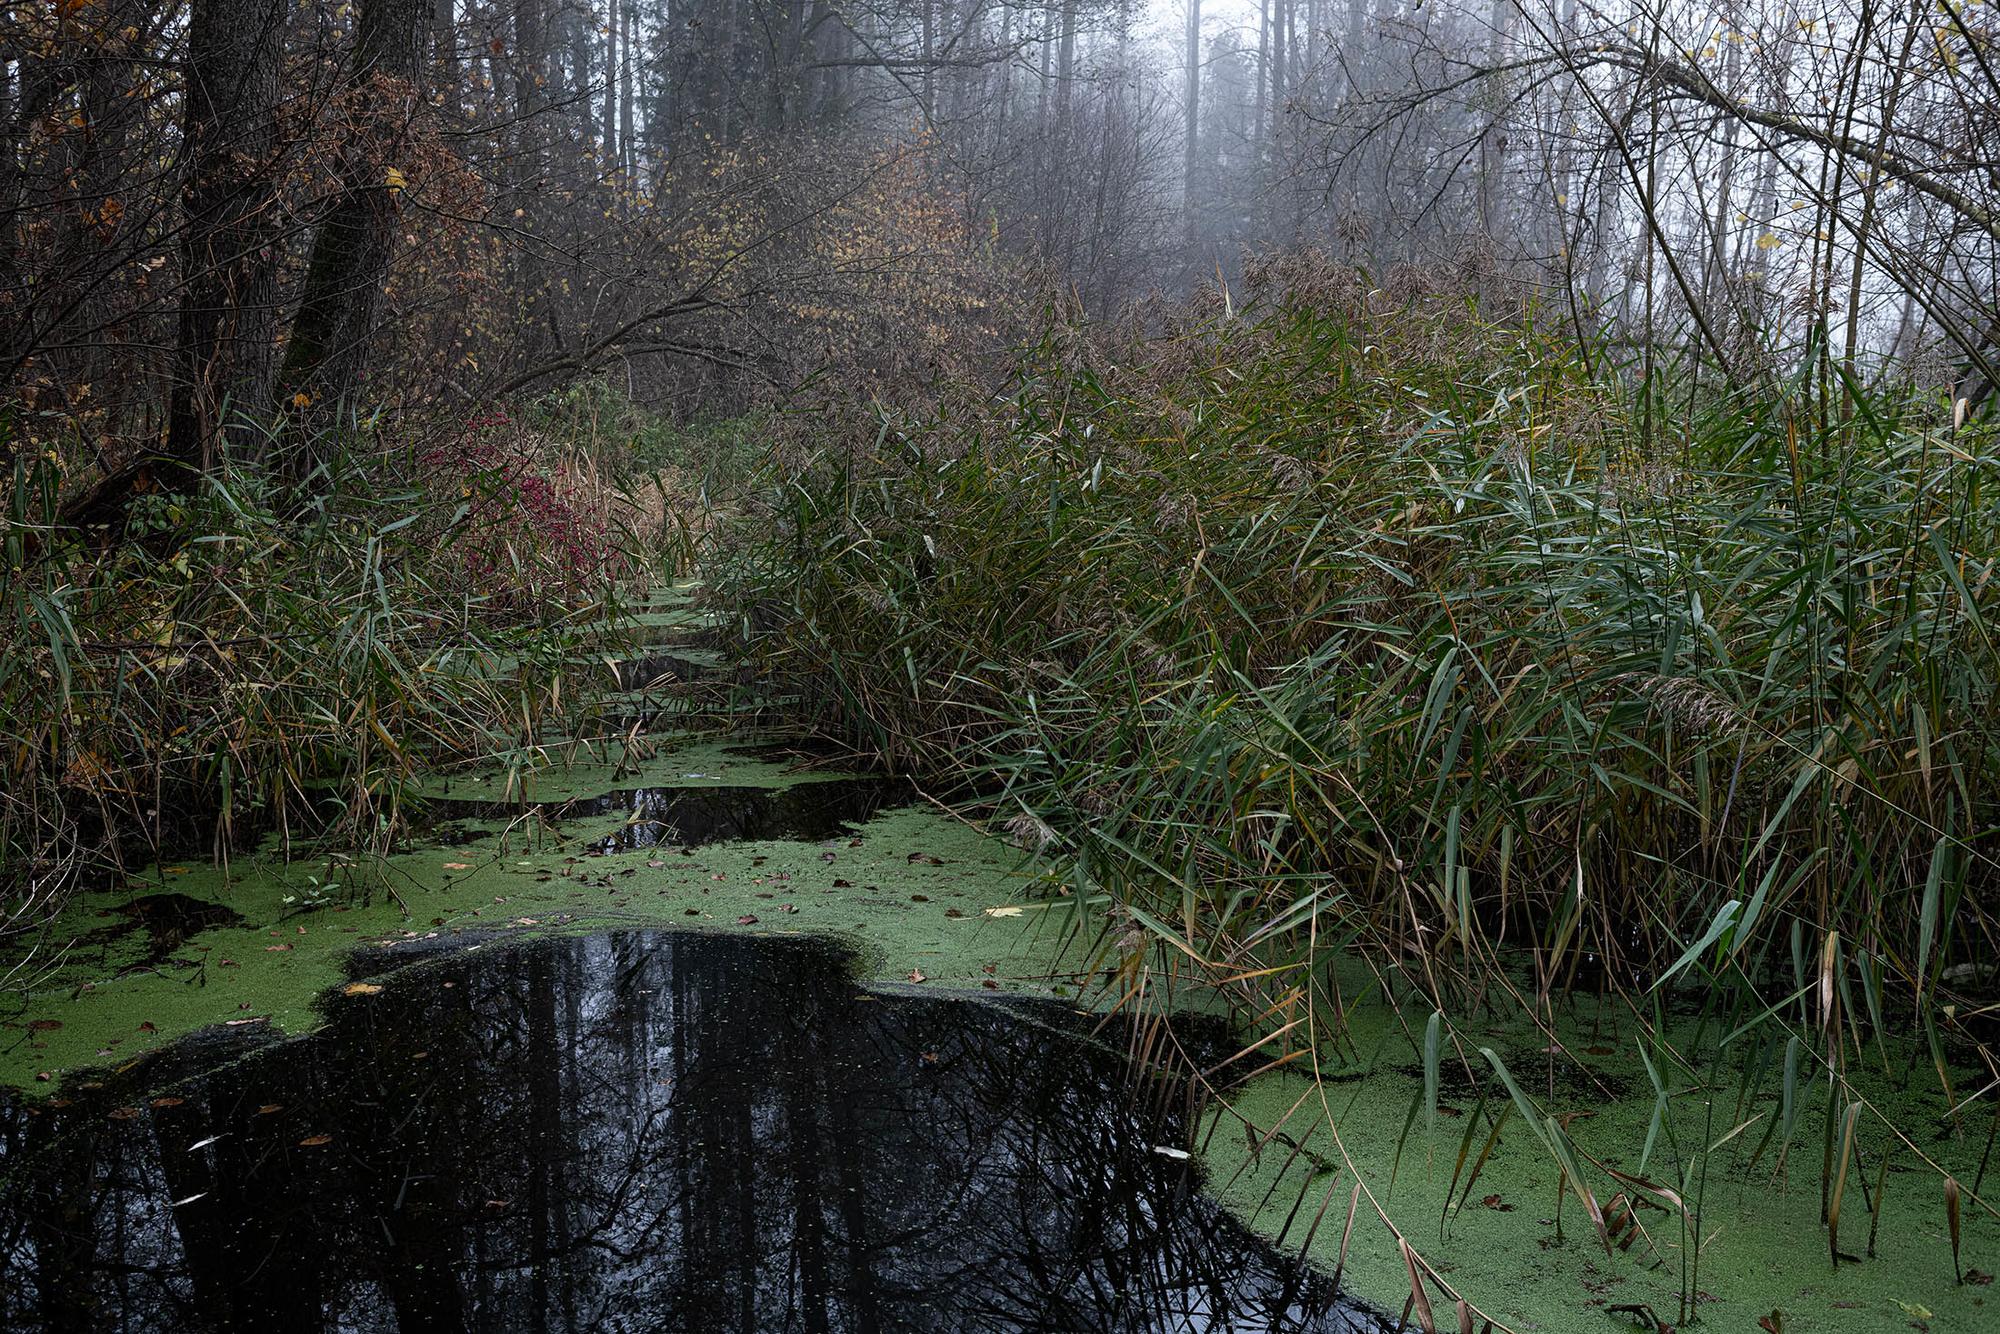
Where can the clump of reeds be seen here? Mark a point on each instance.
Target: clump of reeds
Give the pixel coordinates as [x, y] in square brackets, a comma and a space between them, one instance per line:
[1339, 620]
[236, 661]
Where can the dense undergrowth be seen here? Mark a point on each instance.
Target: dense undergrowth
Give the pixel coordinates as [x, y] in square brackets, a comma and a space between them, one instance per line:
[1350, 626]
[247, 660]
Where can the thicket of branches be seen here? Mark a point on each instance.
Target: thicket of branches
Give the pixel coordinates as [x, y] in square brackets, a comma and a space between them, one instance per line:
[240, 217]
[262, 208]
[1747, 182]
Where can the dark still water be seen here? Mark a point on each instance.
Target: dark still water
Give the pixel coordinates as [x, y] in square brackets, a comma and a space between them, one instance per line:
[632, 1131]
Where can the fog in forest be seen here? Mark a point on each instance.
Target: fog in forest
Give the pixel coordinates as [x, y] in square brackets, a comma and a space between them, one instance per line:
[256, 203]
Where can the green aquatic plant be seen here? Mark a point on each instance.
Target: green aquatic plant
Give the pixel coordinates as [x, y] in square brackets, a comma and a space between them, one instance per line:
[236, 661]
[1320, 629]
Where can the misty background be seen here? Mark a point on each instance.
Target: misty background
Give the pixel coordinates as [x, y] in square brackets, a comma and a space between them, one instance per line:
[713, 201]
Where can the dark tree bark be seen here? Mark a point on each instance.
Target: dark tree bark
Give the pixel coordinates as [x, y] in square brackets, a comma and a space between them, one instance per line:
[352, 248]
[445, 29]
[222, 356]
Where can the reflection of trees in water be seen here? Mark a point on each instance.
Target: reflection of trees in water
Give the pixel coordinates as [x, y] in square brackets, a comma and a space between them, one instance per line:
[632, 1132]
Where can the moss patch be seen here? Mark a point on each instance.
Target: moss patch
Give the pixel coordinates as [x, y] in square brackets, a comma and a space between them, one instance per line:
[909, 890]
[1764, 1248]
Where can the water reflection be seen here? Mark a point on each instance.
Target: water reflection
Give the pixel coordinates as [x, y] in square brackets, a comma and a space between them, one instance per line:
[689, 817]
[634, 1131]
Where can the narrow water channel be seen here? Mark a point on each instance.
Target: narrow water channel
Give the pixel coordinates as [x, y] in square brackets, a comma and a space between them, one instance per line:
[629, 1131]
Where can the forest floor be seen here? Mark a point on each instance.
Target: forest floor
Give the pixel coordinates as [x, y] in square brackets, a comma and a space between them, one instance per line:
[928, 900]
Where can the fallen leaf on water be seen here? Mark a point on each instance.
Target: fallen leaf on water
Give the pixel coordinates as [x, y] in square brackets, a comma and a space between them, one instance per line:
[314, 1141]
[43, 1025]
[1009, 911]
[123, 1113]
[168, 1102]
[458, 866]
[1496, 1203]
[916, 976]
[269, 1108]
[747, 919]
[44, 1076]
[360, 989]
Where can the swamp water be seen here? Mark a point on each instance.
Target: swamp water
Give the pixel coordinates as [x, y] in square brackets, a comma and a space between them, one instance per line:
[630, 1130]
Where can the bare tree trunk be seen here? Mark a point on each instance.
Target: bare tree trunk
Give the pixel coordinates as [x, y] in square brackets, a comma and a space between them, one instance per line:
[229, 138]
[611, 80]
[627, 156]
[445, 20]
[1193, 155]
[351, 251]
[1263, 71]
[1281, 36]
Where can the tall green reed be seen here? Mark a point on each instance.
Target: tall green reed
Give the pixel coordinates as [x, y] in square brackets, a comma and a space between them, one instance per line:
[234, 662]
[1388, 632]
